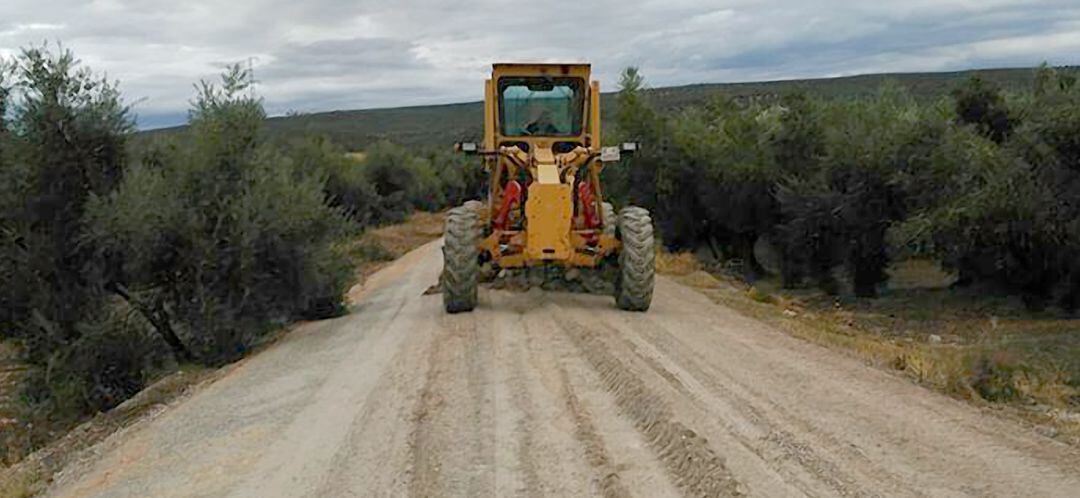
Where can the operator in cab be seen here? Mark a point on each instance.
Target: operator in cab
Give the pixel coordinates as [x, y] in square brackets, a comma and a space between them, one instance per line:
[542, 125]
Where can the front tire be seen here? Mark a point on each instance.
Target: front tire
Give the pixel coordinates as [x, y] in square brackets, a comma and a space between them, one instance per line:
[637, 260]
[461, 263]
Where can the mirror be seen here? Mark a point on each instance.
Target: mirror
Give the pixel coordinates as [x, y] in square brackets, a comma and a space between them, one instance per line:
[466, 147]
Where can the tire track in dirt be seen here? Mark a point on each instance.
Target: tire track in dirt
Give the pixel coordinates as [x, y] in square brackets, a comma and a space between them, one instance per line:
[778, 446]
[611, 485]
[890, 437]
[692, 465]
[451, 437]
[810, 365]
[543, 364]
[423, 463]
[773, 444]
[605, 473]
[523, 426]
[399, 388]
[479, 355]
[576, 419]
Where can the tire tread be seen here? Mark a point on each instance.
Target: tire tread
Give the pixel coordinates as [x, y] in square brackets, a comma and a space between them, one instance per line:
[637, 260]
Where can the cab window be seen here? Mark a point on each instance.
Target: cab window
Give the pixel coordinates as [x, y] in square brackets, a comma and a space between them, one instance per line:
[541, 106]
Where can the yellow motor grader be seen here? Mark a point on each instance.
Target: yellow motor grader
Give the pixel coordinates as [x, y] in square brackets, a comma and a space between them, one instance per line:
[545, 207]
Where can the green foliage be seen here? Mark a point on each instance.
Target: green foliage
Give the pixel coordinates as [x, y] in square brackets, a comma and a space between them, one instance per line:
[797, 138]
[722, 152]
[852, 197]
[982, 209]
[1008, 217]
[633, 117]
[982, 105]
[7, 70]
[995, 377]
[984, 181]
[113, 358]
[459, 177]
[347, 186]
[63, 145]
[240, 236]
[658, 175]
[112, 271]
[402, 181]
[811, 237]
[389, 181]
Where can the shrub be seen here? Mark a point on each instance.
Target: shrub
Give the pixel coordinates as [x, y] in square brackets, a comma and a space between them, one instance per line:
[995, 377]
[401, 180]
[635, 182]
[63, 146]
[811, 236]
[460, 178]
[731, 175]
[862, 147]
[347, 186]
[113, 359]
[240, 237]
[983, 106]
[981, 181]
[1003, 214]
[993, 225]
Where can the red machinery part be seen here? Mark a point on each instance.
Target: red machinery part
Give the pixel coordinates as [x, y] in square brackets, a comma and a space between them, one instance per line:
[511, 196]
[588, 204]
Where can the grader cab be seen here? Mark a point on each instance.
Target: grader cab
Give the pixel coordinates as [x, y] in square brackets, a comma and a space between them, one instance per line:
[545, 206]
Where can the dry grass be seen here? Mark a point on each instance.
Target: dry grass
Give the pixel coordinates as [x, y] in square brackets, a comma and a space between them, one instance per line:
[13, 431]
[379, 246]
[416, 231]
[682, 263]
[970, 345]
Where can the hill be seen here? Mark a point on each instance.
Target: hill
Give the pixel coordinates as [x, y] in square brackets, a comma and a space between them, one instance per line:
[445, 124]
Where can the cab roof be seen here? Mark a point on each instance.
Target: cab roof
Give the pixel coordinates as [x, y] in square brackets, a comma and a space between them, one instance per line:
[541, 69]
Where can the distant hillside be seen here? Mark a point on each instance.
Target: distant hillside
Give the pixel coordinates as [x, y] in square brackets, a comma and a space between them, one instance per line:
[445, 124]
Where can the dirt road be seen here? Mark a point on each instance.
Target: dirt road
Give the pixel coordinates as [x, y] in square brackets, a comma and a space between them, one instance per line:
[559, 394]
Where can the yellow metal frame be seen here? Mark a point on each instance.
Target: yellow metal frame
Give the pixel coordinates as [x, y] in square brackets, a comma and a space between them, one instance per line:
[552, 225]
[581, 255]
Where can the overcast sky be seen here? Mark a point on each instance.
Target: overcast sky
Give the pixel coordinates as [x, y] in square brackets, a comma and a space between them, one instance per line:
[318, 55]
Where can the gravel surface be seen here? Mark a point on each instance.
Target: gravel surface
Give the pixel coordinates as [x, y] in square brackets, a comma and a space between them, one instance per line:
[548, 393]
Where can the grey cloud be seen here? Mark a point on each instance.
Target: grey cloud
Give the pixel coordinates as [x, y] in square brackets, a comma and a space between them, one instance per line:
[325, 54]
[342, 57]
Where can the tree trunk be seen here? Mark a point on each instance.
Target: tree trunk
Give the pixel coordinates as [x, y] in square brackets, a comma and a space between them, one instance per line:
[753, 270]
[159, 319]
